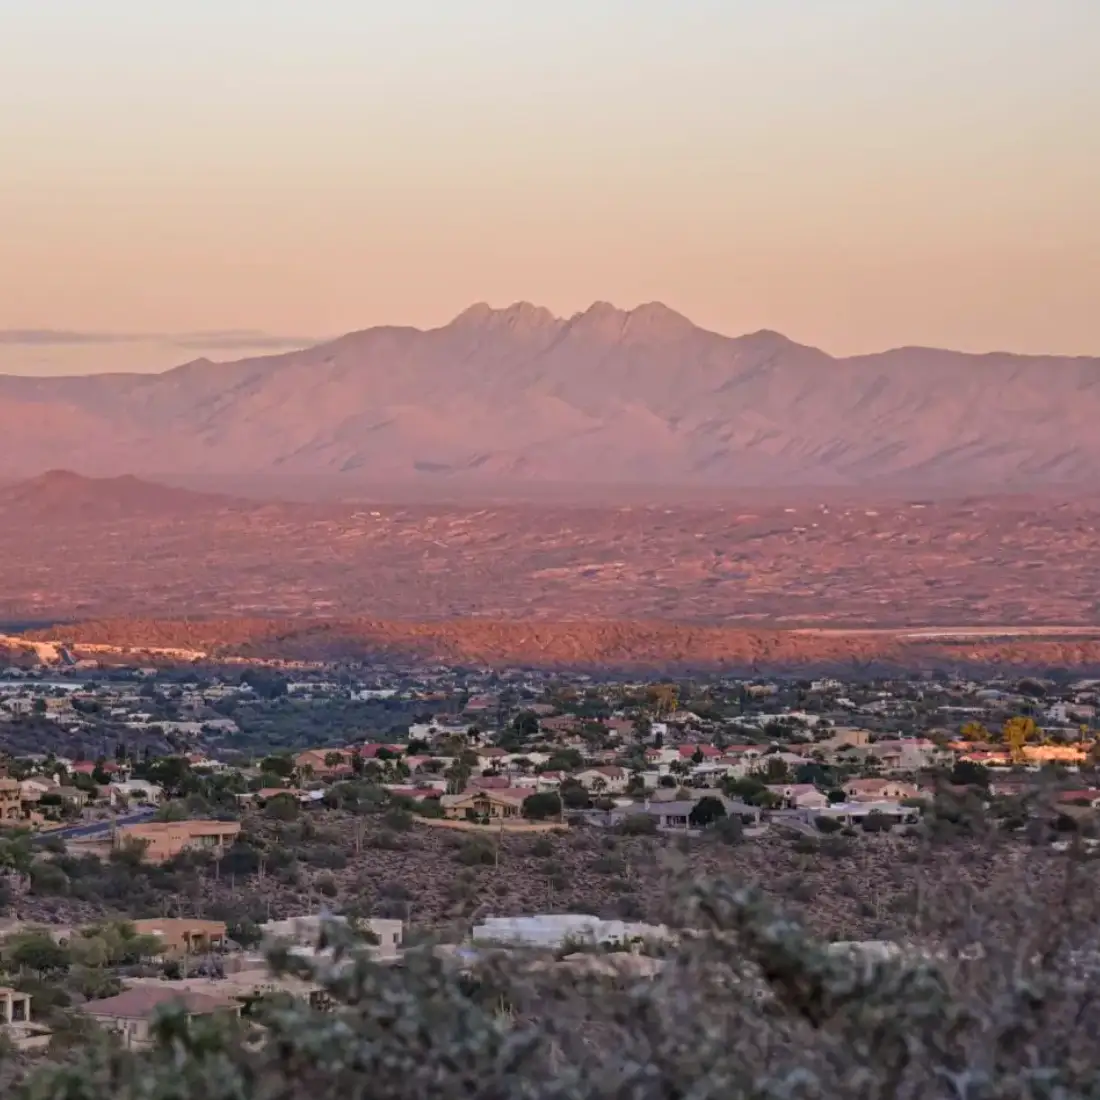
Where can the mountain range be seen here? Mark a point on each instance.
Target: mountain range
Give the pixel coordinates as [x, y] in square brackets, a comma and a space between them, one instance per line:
[520, 396]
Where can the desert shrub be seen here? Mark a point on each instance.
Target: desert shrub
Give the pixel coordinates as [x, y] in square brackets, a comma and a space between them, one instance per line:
[392, 890]
[876, 823]
[398, 819]
[325, 855]
[638, 825]
[828, 825]
[729, 830]
[748, 1006]
[477, 851]
[48, 880]
[283, 807]
[837, 847]
[541, 847]
[609, 865]
[543, 805]
[385, 841]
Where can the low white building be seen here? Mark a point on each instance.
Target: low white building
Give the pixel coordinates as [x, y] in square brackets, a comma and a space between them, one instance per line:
[303, 933]
[554, 930]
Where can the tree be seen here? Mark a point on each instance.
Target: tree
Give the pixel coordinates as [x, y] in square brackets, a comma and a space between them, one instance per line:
[776, 770]
[729, 829]
[564, 760]
[173, 774]
[281, 765]
[1016, 733]
[975, 731]
[526, 724]
[37, 951]
[573, 795]
[283, 807]
[966, 773]
[543, 805]
[706, 811]
[664, 698]
[875, 822]
[172, 810]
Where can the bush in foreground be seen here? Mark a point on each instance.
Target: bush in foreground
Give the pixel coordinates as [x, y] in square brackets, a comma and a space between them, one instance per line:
[747, 1005]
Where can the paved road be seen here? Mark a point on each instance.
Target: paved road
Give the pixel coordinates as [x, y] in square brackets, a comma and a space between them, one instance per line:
[72, 832]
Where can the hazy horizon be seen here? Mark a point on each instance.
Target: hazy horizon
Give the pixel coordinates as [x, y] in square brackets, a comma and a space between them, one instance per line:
[853, 175]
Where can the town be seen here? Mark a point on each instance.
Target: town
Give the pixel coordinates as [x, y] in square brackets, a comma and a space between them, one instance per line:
[164, 824]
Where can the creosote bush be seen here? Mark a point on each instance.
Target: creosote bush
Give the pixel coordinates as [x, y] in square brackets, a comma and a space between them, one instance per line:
[997, 1004]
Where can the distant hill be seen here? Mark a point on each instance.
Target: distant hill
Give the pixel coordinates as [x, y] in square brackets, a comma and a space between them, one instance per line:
[59, 496]
[519, 396]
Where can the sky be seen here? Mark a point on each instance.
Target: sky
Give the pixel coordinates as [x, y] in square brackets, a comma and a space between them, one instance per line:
[227, 177]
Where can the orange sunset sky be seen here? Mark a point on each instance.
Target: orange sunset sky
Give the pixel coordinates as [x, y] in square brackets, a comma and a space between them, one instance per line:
[226, 177]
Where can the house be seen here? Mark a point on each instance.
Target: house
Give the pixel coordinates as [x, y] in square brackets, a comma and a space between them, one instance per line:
[184, 935]
[562, 723]
[15, 1022]
[664, 755]
[799, 796]
[373, 750]
[11, 800]
[35, 787]
[136, 790]
[676, 814]
[610, 779]
[107, 767]
[742, 759]
[854, 813]
[306, 932]
[15, 1007]
[491, 757]
[131, 1014]
[1088, 796]
[879, 790]
[494, 805]
[906, 754]
[845, 737]
[991, 758]
[324, 763]
[704, 752]
[165, 840]
[490, 782]
[1055, 754]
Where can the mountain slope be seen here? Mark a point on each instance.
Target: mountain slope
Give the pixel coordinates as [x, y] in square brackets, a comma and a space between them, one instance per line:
[60, 496]
[603, 397]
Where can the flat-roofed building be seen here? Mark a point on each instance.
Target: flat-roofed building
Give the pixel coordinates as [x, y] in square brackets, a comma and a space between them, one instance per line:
[165, 840]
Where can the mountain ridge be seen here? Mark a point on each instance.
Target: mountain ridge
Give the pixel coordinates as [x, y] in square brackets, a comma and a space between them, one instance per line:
[620, 396]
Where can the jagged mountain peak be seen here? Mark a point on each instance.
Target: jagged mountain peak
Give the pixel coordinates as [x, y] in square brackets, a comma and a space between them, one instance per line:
[608, 395]
[519, 315]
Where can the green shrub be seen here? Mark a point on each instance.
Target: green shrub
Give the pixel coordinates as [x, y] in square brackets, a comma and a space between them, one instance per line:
[748, 1006]
[638, 825]
[477, 851]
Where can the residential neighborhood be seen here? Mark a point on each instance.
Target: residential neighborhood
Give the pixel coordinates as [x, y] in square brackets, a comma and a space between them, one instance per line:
[159, 825]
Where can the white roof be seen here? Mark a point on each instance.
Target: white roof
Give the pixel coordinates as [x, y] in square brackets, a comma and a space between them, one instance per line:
[552, 929]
